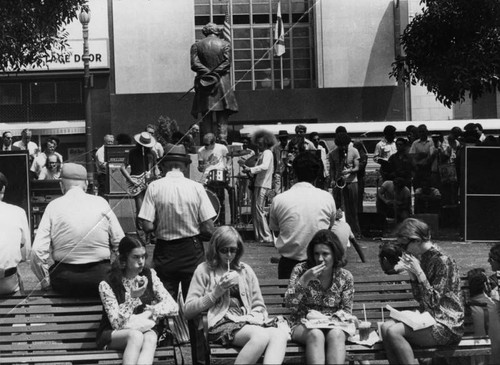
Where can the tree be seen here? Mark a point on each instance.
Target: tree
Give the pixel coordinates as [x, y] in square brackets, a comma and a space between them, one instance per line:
[452, 47]
[30, 29]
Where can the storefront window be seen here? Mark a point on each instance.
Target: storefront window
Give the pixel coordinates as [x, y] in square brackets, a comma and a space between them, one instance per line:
[254, 64]
[11, 94]
[59, 92]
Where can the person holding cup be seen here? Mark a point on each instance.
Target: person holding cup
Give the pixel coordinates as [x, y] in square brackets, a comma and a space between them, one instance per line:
[321, 285]
[435, 282]
[229, 290]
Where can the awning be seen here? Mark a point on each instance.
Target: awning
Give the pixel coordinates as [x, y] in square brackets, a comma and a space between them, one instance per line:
[57, 128]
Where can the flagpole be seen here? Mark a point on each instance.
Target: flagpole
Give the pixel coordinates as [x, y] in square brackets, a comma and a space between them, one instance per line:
[230, 5]
[281, 71]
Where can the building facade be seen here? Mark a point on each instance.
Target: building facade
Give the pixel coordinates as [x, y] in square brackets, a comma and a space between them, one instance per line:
[335, 68]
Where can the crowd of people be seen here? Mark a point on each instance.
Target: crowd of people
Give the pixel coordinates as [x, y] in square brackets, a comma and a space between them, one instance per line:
[85, 252]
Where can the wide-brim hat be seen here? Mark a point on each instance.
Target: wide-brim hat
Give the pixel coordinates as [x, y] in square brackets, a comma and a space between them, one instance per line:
[145, 139]
[176, 153]
[282, 133]
[208, 81]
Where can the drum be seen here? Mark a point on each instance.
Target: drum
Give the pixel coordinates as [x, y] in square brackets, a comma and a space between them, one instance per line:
[215, 202]
[218, 177]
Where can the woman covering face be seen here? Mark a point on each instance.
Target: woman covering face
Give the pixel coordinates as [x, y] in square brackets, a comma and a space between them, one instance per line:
[435, 284]
[321, 285]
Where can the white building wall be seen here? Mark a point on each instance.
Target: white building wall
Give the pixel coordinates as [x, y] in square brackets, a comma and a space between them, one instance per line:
[151, 45]
[424, 105]
[355, 42]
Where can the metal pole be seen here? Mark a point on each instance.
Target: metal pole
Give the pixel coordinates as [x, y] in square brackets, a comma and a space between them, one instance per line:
[87, 85]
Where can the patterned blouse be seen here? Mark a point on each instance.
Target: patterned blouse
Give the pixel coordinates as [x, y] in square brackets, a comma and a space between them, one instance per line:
[119, 314]
[441, 295]
[339, 296]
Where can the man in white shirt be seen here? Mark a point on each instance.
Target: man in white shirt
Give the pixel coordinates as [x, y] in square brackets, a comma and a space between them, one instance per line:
[101, 164]
[15, 235]
[384, 149]
[78, 232]
[27, 144]
[212, 162]
[298, 213]
[178, 210]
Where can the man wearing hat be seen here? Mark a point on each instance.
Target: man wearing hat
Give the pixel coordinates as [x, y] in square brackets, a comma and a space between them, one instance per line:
[178, 210]
[214, 98]
[139, 168]
[75, 233]
[280, 152]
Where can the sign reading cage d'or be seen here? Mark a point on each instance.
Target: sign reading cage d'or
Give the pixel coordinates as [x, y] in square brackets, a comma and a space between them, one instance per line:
[480, 187]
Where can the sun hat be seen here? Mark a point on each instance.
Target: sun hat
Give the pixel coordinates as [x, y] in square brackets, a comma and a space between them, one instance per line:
[145, 139]
[73, 171]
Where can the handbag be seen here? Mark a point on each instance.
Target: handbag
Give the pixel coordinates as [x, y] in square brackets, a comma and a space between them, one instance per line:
[180, 330]
[140, 322]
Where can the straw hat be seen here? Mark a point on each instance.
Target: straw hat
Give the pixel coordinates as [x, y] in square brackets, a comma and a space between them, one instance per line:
[145, 139]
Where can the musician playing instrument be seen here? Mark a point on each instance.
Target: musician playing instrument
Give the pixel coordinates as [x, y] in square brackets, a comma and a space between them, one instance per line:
[139, 168]
[213, 161]
[263, 172]
[344, 164]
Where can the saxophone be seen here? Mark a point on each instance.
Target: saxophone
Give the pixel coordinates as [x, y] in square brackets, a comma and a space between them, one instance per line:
[339, 181]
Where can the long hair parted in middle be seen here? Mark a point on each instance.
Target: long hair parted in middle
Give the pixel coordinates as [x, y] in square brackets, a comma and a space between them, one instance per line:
[329, 239]
[126, 246]
[223, 236]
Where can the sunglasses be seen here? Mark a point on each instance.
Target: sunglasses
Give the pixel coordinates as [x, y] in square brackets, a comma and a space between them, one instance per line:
[404, 242]
[226, 250]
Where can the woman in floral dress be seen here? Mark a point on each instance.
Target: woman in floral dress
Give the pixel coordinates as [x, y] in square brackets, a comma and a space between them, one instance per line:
[321, 284]
[131, 290]
[435, 282]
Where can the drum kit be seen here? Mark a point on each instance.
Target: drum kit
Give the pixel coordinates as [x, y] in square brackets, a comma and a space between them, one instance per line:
[236, 185]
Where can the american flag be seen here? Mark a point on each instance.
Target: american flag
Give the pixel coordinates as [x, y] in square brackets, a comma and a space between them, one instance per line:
[279, 34]
[226, 29]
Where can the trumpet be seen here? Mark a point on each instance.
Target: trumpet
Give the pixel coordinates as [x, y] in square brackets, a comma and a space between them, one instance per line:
[288, 160]
[339, 183]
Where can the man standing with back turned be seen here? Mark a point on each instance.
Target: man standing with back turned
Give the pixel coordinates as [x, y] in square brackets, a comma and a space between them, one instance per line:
[78, 231]
[179, 211]
[298, 213]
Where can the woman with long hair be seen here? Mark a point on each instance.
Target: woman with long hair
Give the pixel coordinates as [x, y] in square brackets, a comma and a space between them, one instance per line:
[435, 282]
[134, 301]
[321, 284]
[263, 175]
[229, 290]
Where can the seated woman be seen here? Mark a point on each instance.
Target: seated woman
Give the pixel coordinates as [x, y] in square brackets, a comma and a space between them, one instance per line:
[52, 168]
[133, 295]
[321, 284]
[229, 290]
[435, 282]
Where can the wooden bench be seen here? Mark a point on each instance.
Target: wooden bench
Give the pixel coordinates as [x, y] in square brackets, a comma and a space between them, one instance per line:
[43, 327]
[374, 293]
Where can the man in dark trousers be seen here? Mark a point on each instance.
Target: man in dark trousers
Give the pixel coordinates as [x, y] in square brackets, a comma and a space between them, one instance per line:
[214, 98]
[179, 211]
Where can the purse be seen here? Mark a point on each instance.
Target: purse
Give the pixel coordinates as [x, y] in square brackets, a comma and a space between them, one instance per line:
[140, 322]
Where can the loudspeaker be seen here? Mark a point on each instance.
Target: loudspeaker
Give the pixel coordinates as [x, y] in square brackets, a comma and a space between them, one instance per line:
[115, 156]
[372, 224]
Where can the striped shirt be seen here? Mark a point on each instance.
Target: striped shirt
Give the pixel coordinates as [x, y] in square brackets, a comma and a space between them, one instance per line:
[178, 205]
